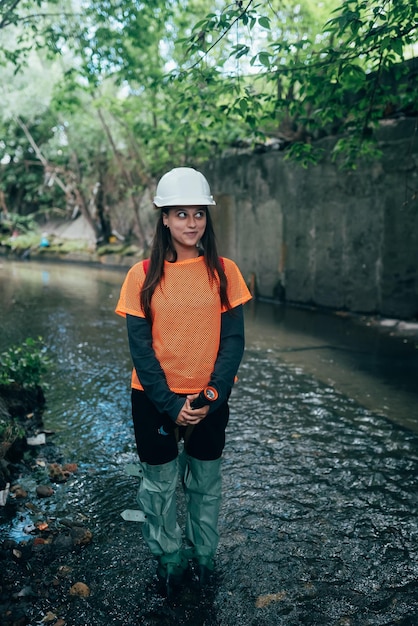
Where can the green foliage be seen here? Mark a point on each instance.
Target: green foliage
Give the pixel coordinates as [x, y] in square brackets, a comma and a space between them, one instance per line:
[348, 151]
[304, 153]
[117, 248]
[24, 364]
[146, 86]
[23, 180]
[29, 24]
[22, 243]
[319, 76]
[67, 246]
[22, 223]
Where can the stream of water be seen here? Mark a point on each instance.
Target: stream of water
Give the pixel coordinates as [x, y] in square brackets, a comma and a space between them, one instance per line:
[319, 518]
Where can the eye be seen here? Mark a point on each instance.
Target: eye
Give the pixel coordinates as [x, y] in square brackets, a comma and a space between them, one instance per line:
[200, 215]
[181, 214]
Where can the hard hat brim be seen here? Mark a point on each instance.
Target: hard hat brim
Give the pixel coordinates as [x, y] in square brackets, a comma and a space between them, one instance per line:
[176, 201]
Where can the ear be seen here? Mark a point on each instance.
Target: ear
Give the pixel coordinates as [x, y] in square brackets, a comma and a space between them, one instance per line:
[165, 218]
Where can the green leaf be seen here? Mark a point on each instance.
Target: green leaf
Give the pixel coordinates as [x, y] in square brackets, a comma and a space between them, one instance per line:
[397, 46]
[243, 105]
[264, 58]
[264, 22]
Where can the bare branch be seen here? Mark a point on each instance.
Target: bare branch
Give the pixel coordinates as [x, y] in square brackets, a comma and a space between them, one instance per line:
[39, 154]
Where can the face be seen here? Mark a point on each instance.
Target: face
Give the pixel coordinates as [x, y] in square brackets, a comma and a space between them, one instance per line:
[187, 225]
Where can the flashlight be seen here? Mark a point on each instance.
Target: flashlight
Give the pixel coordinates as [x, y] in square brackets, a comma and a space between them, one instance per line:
[205, 397]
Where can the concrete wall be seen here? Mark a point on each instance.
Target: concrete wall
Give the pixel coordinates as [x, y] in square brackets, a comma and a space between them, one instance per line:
[340, 239]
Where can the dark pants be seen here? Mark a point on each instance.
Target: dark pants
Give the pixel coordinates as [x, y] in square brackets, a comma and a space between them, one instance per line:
[204, 442]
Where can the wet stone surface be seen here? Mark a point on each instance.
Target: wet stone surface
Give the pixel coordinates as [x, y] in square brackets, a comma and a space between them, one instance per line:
[319, 520]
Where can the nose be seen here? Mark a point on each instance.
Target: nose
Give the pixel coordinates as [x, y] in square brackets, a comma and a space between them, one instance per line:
[191, 221]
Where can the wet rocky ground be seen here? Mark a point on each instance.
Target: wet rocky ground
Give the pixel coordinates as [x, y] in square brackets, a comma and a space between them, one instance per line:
[30, 470]
[318, 525]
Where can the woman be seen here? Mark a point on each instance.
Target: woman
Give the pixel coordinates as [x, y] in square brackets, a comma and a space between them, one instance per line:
[184, 316]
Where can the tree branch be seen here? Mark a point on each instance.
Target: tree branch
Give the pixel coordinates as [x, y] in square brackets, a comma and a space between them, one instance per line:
[10, 10]
[215, 43]
[39, 154]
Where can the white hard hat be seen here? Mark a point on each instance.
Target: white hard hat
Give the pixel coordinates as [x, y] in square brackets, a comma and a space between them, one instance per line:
[183, 186]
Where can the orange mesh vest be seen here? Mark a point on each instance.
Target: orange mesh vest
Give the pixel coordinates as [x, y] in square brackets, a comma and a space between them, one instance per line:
[186, 311]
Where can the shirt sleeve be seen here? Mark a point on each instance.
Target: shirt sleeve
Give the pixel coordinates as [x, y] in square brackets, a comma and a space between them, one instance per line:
[148, 368]
[231, 350]
[238, 292]
[129, 299]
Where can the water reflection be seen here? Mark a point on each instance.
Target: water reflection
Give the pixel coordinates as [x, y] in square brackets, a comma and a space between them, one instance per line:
[318, 524]
[376, 369]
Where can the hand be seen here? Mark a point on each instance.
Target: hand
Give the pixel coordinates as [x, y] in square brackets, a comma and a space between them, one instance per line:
[188, 415]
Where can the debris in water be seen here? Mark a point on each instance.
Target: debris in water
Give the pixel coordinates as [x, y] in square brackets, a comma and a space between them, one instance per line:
[49, 617]
[29, 528]
[263, 601]
[3, 494]
[37, 440]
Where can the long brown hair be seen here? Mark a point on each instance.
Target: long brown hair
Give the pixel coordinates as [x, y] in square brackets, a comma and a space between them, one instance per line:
[163, 248]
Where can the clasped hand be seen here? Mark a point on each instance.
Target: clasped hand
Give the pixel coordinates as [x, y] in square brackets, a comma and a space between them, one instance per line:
[188, 416]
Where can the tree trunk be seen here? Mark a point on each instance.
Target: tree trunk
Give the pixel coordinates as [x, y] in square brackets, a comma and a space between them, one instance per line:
[135, 201]
[102, 213]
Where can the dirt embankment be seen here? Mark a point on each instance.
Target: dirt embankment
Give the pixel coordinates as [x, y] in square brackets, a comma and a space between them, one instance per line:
[33, 567]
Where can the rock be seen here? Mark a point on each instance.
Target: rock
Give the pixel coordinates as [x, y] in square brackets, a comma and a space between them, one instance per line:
[80, 589]
[44, 491]
[70, 467]
[49, 617]
[81, 536]
[18, 491]
[24, 592]
[63, 543]
[57, 473]
[17, 554]
[39, 541]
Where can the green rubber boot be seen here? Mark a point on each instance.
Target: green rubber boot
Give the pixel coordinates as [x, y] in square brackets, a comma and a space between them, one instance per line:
[203, 488]
[170, 573]
[157, 499]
